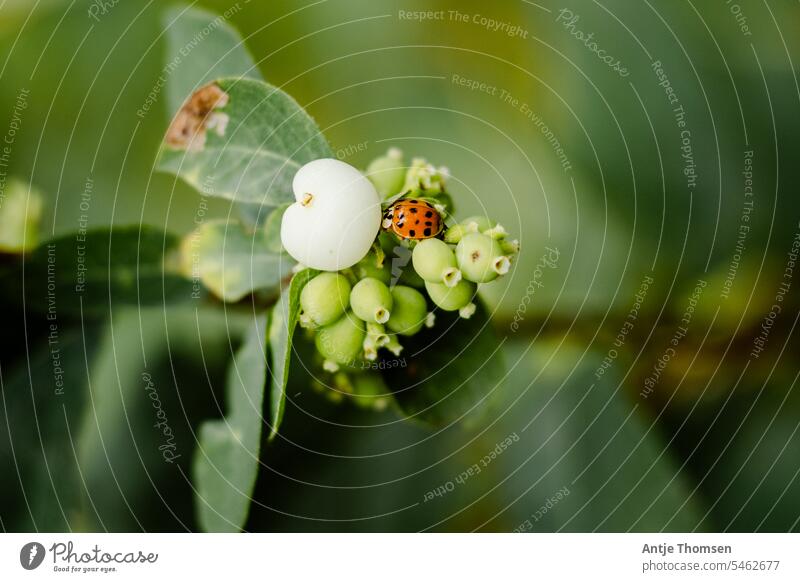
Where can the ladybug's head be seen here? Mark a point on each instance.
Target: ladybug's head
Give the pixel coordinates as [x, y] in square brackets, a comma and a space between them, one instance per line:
[386, 223]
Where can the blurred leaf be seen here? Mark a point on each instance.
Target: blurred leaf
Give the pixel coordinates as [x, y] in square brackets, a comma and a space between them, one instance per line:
[92, 272]
[82, 436]
[227, 458]
[281, 332]
[252, 157]
[554, 426]
[452, 369]
[745, 453]
[44, 404]
[272, 229]
[583, 434]
[230, 262]
[254, 215]
[20, 214]
[156, 375]
[201, 47]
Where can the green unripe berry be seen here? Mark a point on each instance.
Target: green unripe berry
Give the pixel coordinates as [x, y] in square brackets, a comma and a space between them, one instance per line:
[410, 278]
[478, 223]
[341, 342]
[435, 262]
[497, 232]
[388, 173]
[397, 262]
[510, 247]
[481, 258]
[451, 298]
[369, 391]
[454, 234]
[378, 333]
[371, 300]
[324, 299]
[409, 312]
[330, 392]
[368, 267]
[388, 243]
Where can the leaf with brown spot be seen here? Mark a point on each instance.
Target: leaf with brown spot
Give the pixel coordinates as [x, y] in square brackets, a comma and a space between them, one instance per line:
[267, 137]
[188, 129]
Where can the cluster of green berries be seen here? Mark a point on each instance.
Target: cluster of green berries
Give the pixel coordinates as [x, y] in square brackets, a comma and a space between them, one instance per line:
[356, 311]
[472, 252]
[354, 320]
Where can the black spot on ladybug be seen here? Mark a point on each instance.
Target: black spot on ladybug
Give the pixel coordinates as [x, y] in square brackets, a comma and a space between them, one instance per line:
[428, 214]
[428, 204]
[428, 223]
[412, 232]
[427, 232]
[417, 222]
[413, 210]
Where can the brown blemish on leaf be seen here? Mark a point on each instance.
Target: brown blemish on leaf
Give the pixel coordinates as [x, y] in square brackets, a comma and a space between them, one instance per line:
[188, 129]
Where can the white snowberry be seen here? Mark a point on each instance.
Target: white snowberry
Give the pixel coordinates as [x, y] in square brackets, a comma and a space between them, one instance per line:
[335, 219]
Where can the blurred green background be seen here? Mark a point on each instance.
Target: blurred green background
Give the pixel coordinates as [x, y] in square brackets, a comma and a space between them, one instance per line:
[714, 447]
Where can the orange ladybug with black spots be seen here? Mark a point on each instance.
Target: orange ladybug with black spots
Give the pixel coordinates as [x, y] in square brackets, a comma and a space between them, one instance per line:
[413, 219]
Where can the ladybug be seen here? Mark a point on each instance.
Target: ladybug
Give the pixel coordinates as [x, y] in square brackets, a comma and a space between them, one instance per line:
[413, 219]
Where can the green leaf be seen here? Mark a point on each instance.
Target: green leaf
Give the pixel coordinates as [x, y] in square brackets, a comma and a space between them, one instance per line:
[281, 331]
[746, 450]
[201, 47]
[85, 413]
[230, 262]
[157, 374]
[586, 436]
[255, 215]
[450, 371]
[263, 138]
[394, 198]
[44, 403]
[227, 458]
[95, 271]
[272, 229]
[554, 428]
